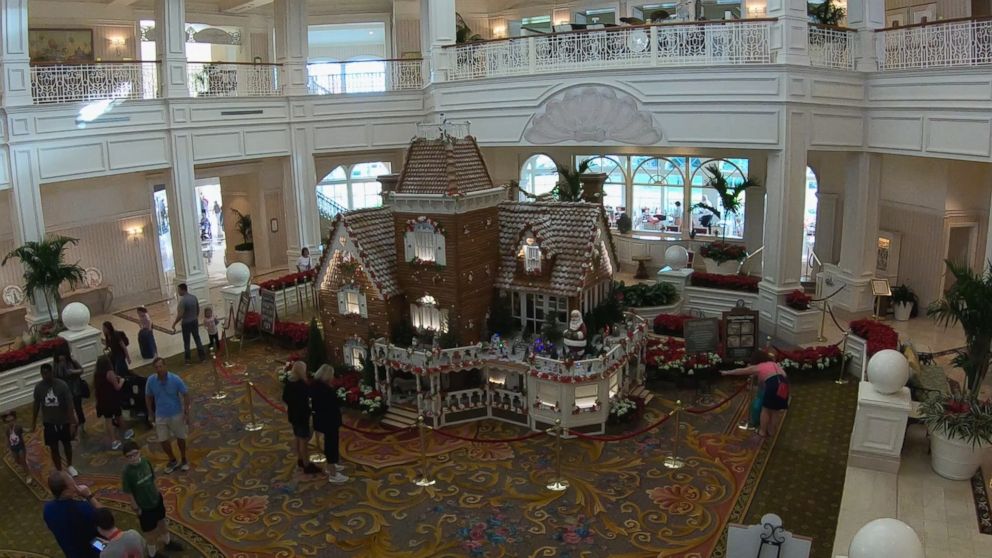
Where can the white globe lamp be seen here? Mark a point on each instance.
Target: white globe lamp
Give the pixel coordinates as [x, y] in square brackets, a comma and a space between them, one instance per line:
[238, 274]
[886, 538]
[76, 316]
[888, 371]
[676, 257]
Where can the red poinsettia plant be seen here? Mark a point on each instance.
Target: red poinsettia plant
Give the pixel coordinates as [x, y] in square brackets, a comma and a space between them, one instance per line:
[798, 300]
[720, 252]
[286, 281]
[877, 335]
[745, 283]
[670, 324]
[31, 353]
[294, 333]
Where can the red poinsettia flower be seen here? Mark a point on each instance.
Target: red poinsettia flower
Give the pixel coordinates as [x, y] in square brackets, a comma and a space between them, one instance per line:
[726, 282]
[798, 300]
[878, 335]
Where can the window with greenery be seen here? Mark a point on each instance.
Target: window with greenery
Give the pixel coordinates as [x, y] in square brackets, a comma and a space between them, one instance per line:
[616, 170]
[538, 176]
[659, 194]
[703, 221]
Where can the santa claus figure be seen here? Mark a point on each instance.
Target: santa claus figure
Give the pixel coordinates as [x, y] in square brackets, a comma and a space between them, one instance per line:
[575, 336]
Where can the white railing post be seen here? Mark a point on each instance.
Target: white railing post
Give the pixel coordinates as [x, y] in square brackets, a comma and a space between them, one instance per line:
[531, 55]
[653, 37]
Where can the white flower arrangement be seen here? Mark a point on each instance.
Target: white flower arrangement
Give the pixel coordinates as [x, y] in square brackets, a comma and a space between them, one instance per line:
[622, 406]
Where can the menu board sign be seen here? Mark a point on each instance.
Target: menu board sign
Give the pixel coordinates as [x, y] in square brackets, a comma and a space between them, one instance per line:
[740, 333]
[702, 335]
[268, 313]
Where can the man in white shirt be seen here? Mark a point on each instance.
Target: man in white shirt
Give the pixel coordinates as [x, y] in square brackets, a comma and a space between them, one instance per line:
[303, 263]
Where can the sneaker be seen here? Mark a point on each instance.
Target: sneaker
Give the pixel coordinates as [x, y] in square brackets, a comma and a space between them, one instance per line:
[171, 466]
[338, 467]
[311, 469]
[72, 471]
[28, 480]
[174, 545]
[128, 434]
[336, 478]
[187, 362]
[185, 466]
[116, 445]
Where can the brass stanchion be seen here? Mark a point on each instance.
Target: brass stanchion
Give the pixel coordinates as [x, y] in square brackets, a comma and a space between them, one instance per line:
[299, 299]
[252, 425]
[674, 461]
[218, 392]
[842, 377]
[745, 424]
[823, 322]
[425, 478]
[318, 456]
[557, 484]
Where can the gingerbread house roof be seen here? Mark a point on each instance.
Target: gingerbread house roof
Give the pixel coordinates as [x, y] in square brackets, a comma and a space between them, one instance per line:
[567, 233]
[444, 166]
[372, 231]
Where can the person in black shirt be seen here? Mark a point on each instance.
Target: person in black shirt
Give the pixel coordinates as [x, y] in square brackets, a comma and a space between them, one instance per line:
[296, 395]
[327, 420]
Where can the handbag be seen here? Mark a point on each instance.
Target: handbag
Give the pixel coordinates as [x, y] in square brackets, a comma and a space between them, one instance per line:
[84, 389]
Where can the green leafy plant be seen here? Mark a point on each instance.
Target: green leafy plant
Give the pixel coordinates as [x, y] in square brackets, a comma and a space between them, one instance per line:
[552, 332]
[45, 269]
[501, 318]
[720, 252]
[826, 13]
[243, 226]
[969, 302]
[464, 34]
[569, 186]
[729, 193]
[959, 416]
[645, 295]
[902, 293]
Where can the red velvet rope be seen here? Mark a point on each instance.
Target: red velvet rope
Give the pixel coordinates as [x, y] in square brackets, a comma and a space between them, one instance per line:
[265, 398]
[620, 437]
[489, 441]
[390, 432]
[718, 405]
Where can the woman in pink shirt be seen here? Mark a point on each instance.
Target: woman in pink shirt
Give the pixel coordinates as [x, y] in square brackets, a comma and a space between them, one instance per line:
[773, 388]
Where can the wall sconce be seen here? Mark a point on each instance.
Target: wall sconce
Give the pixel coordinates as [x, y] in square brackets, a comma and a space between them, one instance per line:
[118, 43]
[757, 10]
[135, 233]
[499, 31]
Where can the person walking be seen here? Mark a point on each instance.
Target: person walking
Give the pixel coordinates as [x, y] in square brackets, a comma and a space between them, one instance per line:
[53, 398]
[116, 343]
[107, 385]
[146, 335]
[70, 372]
[188, 314]
[120, 544]
[210, 323]
[138, 482]
[167, 400]
[296, 395]
[327, 420]
[16, 444]
[773, 389]
[71, 516]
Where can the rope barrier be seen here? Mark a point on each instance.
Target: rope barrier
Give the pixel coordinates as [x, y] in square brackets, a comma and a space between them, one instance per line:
[621, 437]
[718, 405]
[834, 319]
[489, 440]
[833, 294]
[265, 398]
[392, 430]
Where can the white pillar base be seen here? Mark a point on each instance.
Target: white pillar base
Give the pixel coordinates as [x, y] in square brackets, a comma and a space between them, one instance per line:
[770, 296]
[232, 294]
[86, 347]
[856, 297]
[879, 429]
[678, 279]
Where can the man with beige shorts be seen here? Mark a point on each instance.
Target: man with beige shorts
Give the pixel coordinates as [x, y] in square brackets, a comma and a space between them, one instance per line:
[167, 400]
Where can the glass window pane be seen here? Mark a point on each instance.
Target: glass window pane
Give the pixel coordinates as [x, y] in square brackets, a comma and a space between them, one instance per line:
[539, 175]
[705, 221]
[659, 194]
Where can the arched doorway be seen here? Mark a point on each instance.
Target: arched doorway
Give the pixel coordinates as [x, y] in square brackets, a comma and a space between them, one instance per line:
[811, 265]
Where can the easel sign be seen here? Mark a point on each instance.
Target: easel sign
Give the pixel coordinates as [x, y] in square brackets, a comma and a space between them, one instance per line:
[702, 335]
[880, 288]
[244, 303]
[268, 313]
[740, 332]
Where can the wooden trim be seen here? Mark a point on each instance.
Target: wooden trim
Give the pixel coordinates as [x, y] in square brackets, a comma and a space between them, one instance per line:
[625, 28]
[834, 27]
[105, 62]
[372, 60]
[938, 22]
[216, 62]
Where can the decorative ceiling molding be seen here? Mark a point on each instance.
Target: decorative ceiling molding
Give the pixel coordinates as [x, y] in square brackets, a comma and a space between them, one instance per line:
[592, 113]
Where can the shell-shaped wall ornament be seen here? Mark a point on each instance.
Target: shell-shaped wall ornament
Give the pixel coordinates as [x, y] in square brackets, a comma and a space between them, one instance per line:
[592, 113]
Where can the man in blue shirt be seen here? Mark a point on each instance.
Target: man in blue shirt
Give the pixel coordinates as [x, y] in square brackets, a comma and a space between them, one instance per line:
[71, 516]
[167, 400]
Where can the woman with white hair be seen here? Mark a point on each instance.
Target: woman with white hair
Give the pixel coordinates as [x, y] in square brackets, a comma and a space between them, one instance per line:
[327, 420]
[296, 395]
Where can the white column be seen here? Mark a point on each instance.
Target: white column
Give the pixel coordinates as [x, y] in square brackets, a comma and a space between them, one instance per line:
[300, 189]
[15, 63]
[438, 24]
[27, 217]
[785, 197]
[170, 31]
[292, 45]
[184, 218]
[866, 16]
[790, 34]
[859, 241]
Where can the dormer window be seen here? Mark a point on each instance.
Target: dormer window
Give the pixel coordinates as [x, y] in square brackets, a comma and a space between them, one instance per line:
[351, 302]
[426, 315]
[530, 256]
[424, 242]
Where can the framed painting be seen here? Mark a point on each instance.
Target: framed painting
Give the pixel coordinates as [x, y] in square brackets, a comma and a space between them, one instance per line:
[72, 46]
[896, 18]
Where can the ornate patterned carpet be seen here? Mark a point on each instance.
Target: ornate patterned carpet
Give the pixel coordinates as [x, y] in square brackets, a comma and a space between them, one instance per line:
[243, 497]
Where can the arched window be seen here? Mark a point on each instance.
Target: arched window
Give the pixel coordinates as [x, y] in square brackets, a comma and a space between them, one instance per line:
[538, 175]
[350, 187]
[704, 221]
[659, 192]
[616, 179]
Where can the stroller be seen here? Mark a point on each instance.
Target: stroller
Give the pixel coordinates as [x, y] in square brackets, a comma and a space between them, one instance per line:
[205, 233]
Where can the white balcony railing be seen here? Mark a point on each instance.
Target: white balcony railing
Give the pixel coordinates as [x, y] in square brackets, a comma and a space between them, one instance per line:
[682, 44]
[832, 47]
[66, 83]
[232, 79]
[964, 42]
[366, 76]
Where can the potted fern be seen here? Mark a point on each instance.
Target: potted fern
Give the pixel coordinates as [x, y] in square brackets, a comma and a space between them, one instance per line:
[45, 270]
[904, 301]
[960, 424]
[244, 252]
[721, 257]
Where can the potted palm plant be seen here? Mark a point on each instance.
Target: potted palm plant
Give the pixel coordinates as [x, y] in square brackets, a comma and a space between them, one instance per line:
[45, 270]
[718, 256]
[960, 425]
[245, 251]
[904, 301]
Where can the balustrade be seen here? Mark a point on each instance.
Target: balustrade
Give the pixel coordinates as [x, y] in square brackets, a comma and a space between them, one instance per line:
[66, 83]
[366, 76]
[832, 47]
[962, 42]
[233, 79]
